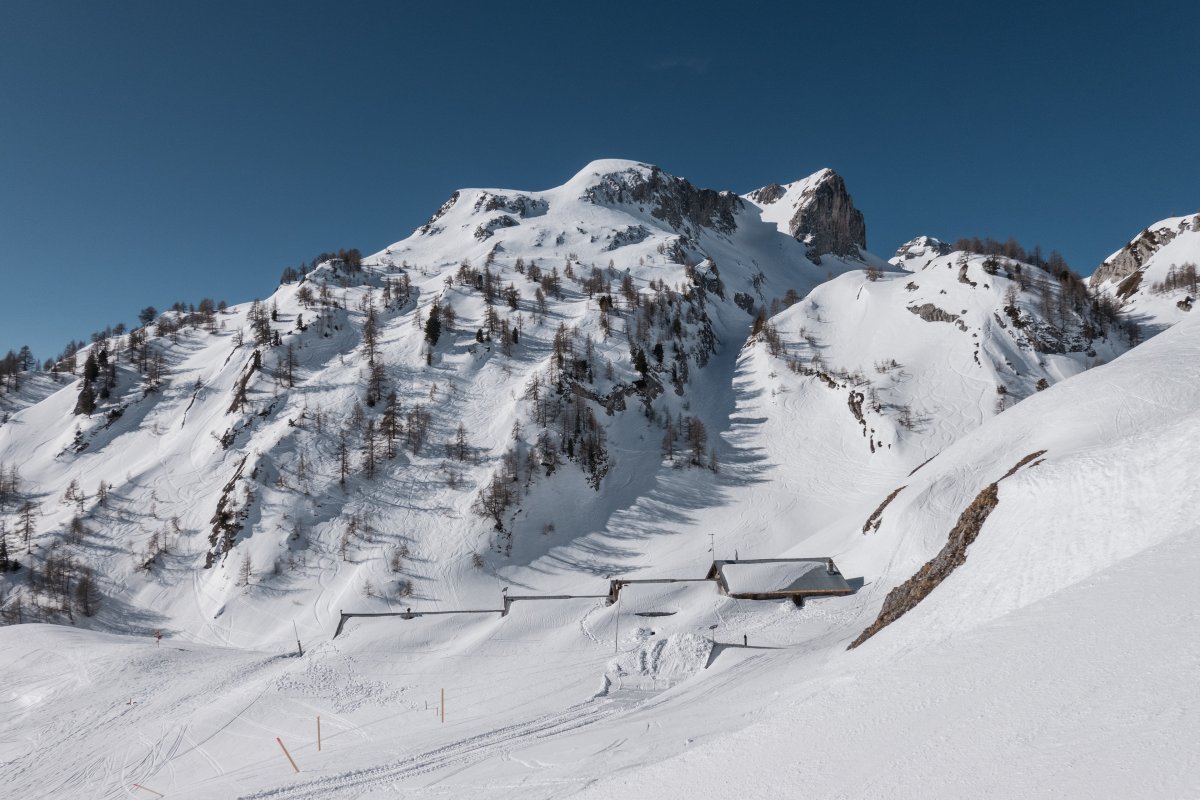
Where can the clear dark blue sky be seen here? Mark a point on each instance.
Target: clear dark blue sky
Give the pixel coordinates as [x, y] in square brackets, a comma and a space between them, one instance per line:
[161, 151]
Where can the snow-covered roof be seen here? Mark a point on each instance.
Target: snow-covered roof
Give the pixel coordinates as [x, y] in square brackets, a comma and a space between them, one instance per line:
[782, 576]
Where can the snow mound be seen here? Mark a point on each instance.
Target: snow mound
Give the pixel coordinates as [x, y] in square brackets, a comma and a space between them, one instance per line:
[655, 662]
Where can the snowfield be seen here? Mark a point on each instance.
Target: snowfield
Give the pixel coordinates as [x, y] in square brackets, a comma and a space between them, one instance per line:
[637, 377]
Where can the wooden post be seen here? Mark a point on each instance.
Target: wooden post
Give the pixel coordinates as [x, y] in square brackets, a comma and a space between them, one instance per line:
[148, 789]
[617, 626]
[318, 733]
[286, 753]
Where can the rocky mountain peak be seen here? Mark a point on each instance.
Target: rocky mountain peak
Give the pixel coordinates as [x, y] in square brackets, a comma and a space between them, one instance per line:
[827, 220]
[817, 211]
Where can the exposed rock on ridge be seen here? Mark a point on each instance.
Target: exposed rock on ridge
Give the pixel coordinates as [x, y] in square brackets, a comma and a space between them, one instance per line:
[916, 254]
[953, 554]
[1132, 257]
[676, 201]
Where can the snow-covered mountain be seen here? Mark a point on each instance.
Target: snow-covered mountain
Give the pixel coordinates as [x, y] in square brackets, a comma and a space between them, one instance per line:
[534, 393]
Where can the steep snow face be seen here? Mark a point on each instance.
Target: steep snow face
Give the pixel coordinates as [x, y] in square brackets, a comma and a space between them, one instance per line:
[1153, 277]
[897, 365]
[818, 211]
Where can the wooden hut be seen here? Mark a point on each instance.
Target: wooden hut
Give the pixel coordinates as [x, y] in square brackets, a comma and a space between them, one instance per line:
[779, 578]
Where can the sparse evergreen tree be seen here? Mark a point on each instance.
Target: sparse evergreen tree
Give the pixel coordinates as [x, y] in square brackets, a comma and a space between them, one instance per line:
[86, 403]
[639, 361]
[76, 530]
[433, 325]
[494, 500]
[460, 447]
[375, 381]
[289, 367]
[6, 565]
[390, 424]
[85, 593]
[343, 458]
[668, 441]
[27, 525]
[697, 437]
[370, 336]
[369, 454]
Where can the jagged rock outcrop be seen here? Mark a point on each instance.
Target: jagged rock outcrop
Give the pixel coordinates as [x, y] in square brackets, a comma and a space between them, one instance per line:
[431, 225]
[916, 253]
[931, 313]
[768, 194]
[676, 201]
[522, 205]
[486, 229]
[627, 236]
[826, 219]
[1132, 257]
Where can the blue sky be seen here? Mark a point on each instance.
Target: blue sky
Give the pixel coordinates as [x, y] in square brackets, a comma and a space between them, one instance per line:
[153, 152]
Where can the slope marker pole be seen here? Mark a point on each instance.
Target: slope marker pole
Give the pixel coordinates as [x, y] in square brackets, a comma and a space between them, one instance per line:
[286, 753]
[617, 625]
[443, 705]
[148, 789]
[318, 733]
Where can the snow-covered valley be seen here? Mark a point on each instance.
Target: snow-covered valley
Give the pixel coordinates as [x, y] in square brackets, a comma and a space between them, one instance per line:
[623, 377]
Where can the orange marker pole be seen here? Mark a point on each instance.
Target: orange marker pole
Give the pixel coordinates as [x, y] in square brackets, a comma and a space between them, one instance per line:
[286, 753]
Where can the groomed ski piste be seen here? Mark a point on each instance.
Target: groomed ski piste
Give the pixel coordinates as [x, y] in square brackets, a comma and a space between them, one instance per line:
[1055, 661]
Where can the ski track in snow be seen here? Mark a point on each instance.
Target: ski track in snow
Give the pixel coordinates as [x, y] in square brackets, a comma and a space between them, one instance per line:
[451, 757]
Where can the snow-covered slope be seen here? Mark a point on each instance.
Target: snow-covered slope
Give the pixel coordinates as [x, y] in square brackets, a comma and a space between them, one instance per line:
[26, 388]
[535, 392]
[1056, 661]
[259, 446]
[1153, 277]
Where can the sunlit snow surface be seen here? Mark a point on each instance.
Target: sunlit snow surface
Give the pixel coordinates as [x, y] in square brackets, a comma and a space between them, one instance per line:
[1058, 661]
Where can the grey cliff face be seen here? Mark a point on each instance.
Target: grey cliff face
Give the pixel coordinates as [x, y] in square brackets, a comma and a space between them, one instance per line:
[1132, 256]
[827, 220]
